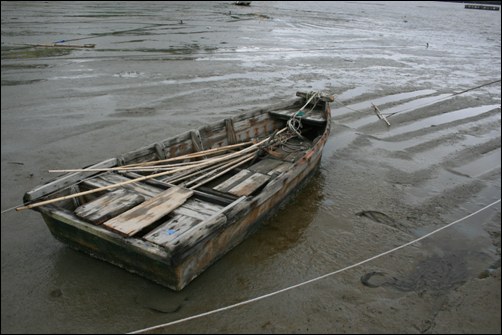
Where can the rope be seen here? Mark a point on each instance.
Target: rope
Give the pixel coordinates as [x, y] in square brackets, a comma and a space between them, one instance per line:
[295, 124]
[311, 280]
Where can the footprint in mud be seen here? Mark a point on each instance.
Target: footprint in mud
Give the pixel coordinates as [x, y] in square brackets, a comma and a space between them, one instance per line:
[381, 218]
[436, 275]
[160, 299]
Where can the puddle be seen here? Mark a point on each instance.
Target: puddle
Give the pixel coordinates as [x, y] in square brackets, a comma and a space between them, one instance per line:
[415, 104]
[76, 77]
[482, 165]
[128, 74]
[437, 136]
[471, 231]
[337, 142]
[380, 101]
[247, 75]
[34, 52]
[443, 118]
[349, 94]
[21, 82]
[409, 106]
[435, 274]
[445, 180]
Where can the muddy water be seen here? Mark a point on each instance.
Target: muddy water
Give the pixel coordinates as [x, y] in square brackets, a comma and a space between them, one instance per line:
[151, 76]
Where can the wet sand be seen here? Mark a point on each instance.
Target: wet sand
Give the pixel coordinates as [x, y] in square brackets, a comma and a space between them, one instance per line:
[150, 77]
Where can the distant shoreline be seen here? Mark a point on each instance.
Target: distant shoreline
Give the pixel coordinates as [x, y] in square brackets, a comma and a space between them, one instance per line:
[479, 2]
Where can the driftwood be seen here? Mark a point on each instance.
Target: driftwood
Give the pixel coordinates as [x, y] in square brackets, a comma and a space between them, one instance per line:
[380, 115]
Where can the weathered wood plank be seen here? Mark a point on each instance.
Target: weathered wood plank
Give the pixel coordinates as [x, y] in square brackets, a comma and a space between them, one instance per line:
[108, 206]
[254, 126]
[202, 206]
[141, 188]
[168, 231]
[196, 140]
[211, 198]
[184, 220]
[198, 232]
[232, 181]
[192, 207]
[249, 185]
[132, 221]
[281, 168]
[230, 131]
[189, 212]
[265, 165]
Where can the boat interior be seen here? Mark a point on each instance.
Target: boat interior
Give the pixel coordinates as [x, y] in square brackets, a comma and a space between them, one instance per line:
[204, 190]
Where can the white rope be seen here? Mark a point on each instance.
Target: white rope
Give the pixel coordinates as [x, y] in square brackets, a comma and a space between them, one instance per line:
[311, 280]
[295, 124]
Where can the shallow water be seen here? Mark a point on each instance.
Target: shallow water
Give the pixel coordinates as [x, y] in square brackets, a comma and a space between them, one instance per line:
[151, 77]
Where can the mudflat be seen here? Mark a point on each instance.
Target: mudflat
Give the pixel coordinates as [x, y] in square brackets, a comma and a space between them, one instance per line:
[160, 68]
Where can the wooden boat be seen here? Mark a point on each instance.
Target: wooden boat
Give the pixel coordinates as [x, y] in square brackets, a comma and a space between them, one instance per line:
[169, 210]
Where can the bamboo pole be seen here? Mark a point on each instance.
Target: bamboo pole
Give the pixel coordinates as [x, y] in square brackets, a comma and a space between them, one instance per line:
[132, 168]
[192, 155]
[142, 165]
[221, 167]
[189, 173]
[239, 153]
[223, 172]
[98, 189]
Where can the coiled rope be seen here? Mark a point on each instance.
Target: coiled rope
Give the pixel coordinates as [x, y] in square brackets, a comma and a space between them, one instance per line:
[295, 124]
[311, 280]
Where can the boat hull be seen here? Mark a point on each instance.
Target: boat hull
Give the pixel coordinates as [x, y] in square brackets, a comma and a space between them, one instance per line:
[163, 271]
[176, 264]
